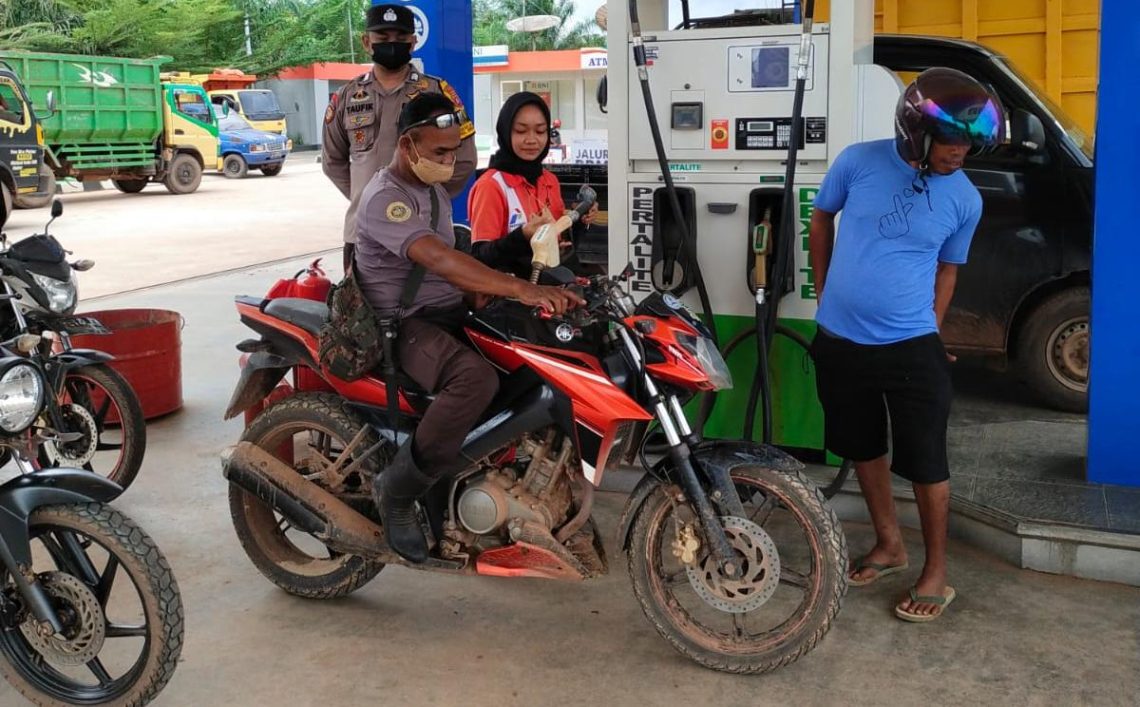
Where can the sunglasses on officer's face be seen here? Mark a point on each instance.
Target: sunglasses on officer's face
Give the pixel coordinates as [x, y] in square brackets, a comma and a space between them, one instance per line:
[442, 122]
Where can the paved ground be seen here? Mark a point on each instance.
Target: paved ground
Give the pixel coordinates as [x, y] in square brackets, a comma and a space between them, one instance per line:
[1013, 637]
[158, 237]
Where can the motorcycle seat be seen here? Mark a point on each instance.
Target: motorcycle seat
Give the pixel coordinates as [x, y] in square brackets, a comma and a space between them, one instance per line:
[308, 314]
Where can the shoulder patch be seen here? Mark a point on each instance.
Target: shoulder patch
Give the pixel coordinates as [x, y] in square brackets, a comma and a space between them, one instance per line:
[330, 112]
[398, 212]
[446, 89]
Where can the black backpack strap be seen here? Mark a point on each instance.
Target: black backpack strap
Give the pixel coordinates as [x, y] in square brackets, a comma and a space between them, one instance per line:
[416, 276]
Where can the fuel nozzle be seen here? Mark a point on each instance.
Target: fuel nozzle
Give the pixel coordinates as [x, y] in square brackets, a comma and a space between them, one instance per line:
[761, 243]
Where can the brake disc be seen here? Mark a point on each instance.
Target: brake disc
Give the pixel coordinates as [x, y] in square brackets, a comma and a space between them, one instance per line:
[82, 450]
[85, 629]
[756, 555]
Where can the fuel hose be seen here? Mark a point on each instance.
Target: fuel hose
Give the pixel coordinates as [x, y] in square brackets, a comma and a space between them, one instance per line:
[687, 245]
[768, 303]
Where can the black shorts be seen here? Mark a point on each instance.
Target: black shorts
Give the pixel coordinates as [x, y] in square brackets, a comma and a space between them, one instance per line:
[860, 385]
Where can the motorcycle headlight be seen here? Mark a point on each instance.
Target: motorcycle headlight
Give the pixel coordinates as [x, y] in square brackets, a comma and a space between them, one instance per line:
[62, 295]
[709, 359]
[21, 397]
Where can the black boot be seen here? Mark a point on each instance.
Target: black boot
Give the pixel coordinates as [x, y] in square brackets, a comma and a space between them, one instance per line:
[395, 491]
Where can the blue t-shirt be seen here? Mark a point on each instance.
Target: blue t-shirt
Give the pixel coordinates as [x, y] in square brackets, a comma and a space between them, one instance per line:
[880, 284]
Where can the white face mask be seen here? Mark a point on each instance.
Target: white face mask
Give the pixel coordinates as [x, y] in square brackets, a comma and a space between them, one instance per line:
[430, 172]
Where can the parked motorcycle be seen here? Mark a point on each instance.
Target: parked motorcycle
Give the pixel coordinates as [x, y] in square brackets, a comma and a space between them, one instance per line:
[733, 554]
[89, 610]
[93, 419]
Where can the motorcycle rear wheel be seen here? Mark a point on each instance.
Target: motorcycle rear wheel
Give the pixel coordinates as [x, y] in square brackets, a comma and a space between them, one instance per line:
[297, 562]
[92, 558]
[737, 636]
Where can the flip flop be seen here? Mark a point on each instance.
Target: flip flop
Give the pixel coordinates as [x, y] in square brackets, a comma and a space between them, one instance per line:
[881, 571]
[943, 601]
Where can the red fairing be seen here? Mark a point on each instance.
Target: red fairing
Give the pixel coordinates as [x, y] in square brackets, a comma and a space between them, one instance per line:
[598, 403]
[680, 366]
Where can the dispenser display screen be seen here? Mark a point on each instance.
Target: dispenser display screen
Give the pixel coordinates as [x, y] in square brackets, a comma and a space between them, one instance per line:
[767, 67]
[771, 67]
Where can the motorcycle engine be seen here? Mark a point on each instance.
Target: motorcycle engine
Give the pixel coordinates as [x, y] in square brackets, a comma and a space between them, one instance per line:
[542, 495]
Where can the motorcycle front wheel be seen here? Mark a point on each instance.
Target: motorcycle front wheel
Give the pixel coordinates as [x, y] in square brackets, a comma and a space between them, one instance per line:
[793, 556]
[99, 404]
[117, 599]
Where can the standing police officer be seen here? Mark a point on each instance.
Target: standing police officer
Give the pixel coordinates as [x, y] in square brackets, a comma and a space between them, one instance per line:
[360, 131]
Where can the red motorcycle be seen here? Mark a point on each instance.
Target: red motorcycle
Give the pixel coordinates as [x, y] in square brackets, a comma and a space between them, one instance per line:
[733, 554]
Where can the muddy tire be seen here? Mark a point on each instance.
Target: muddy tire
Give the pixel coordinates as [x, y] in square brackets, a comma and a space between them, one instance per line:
[1053, 350]
[272, 170]
[78, 385]
[161, 605]
[823, 586]
[130, 186]
[258, 529]
[184, 175]
[27, 201]
[235, 167]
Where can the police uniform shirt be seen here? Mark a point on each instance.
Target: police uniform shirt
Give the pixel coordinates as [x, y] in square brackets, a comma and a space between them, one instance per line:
[393, 215]
[360, 135]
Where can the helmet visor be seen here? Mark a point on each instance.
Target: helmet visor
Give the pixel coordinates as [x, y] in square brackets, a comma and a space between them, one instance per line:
[964, 125]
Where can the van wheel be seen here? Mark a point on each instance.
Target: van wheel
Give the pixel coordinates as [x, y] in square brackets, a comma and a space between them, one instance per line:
[38, 202]
[235, 167]
[1053, 350]
[184, 176]
[272, 170]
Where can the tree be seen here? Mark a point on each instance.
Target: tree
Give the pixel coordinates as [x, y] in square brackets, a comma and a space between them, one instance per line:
[491, 17]
[35, 25]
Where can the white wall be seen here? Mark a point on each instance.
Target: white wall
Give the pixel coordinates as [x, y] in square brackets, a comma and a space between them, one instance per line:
[580, 98]
[304, 103]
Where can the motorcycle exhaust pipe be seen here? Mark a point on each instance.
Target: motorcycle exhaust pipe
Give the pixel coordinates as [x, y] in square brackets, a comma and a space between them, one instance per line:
[305, 505]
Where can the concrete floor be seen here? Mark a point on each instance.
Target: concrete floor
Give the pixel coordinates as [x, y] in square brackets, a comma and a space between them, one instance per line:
[1012, 637]
[155, 237]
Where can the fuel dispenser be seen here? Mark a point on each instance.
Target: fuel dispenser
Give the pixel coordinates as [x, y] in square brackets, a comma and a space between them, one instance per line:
[721, 92]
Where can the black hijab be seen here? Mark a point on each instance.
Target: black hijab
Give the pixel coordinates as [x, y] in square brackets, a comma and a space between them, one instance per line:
[505, 158]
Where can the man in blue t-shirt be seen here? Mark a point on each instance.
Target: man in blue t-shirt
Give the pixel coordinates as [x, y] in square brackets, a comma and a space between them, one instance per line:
[884, 285]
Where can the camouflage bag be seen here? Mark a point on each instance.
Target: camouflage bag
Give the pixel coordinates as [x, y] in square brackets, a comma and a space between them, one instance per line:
[352, 340]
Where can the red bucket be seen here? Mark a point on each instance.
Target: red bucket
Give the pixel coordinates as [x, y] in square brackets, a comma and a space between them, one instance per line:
[147, 346]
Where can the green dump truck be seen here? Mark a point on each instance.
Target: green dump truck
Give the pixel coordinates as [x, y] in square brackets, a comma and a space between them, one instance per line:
[117, 120]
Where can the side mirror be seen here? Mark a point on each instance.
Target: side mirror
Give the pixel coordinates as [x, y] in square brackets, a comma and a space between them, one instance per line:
[603, 93]
[56, 208]
[1026, 131]
[49, 107]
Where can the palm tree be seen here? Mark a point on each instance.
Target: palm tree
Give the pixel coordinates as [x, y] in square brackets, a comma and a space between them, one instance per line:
[491, 17]
[35, 24]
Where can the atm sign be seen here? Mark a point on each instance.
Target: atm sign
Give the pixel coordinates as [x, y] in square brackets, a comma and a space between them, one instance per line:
[719, 135]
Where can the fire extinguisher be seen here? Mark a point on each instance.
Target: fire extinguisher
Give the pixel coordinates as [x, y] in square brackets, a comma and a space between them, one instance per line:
[313, 284]
[310, 283]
